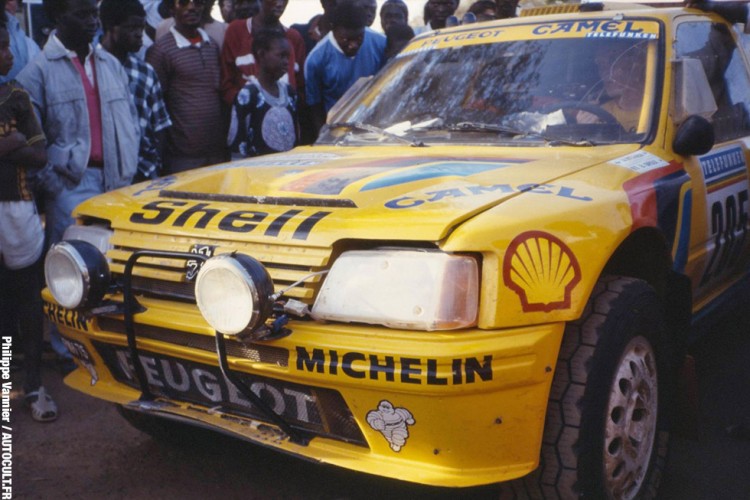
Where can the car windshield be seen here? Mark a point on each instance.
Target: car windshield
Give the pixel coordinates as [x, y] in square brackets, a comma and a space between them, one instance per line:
[518, 85]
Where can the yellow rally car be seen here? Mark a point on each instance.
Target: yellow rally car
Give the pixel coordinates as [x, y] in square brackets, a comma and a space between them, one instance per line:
[485, 270]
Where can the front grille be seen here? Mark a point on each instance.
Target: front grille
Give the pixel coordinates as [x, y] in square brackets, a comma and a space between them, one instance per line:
[317, 410]
[255, 352]
[163, 274]
[151, 287]
[166, 278]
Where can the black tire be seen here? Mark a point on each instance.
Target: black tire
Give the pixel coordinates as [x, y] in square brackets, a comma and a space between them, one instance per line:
[606, 433]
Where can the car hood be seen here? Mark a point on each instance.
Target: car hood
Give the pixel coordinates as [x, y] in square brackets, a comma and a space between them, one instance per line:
[321, 193]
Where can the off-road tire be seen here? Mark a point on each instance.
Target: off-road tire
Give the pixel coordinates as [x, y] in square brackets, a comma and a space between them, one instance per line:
[604, 382]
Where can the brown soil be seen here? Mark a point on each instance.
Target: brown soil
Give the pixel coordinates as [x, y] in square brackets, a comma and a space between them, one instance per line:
[91, 452]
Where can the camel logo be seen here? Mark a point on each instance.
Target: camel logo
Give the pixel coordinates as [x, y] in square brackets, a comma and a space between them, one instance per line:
[392, 423]
[542, 270]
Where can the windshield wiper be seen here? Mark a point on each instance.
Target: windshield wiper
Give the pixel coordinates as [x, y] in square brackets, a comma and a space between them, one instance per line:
[570, 142]
[375, 130]
[504, 129]
[488, 127]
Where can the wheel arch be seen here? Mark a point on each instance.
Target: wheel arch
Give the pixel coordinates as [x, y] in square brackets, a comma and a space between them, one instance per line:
[645, 255]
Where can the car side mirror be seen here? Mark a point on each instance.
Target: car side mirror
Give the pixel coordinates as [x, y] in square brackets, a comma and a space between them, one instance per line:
[695, 136]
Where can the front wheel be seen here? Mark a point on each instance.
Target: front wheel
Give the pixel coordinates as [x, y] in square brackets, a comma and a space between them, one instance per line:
[606, 433]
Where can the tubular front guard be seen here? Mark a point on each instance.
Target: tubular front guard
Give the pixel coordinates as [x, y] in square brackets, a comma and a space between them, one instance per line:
[450, 408]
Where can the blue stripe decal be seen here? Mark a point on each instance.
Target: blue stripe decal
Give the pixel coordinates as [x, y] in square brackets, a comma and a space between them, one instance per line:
[447, 169]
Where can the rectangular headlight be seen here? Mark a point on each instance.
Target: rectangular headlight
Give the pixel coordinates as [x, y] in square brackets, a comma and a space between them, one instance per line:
[410, 289]
[98, 236]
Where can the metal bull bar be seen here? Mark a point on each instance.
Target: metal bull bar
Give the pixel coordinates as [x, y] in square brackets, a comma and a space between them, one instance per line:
[131, 307]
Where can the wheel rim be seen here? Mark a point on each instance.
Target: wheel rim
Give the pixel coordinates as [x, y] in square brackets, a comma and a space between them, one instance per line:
[631, 417]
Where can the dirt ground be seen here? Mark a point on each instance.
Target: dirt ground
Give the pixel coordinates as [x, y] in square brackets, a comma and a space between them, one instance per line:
[91, 452]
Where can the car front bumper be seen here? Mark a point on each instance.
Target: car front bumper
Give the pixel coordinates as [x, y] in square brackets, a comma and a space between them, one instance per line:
[441, 408]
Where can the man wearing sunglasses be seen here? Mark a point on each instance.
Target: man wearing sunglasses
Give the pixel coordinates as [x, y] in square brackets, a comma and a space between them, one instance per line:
[186, 61]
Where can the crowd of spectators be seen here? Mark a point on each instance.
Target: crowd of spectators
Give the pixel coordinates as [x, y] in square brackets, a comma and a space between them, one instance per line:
[129, 90]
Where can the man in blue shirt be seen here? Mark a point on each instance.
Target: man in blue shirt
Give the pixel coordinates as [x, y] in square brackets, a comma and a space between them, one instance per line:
[347, 53]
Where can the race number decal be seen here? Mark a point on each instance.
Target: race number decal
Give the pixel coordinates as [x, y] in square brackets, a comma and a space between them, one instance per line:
[725, 173]
[192, 266]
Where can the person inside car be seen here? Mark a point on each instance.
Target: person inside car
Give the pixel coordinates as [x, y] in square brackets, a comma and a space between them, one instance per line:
[622, 72]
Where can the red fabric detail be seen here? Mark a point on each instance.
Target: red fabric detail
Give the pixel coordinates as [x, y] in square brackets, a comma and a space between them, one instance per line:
[93, 104]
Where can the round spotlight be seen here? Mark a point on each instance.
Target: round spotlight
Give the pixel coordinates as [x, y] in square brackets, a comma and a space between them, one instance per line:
[76, 273]
[233, 293]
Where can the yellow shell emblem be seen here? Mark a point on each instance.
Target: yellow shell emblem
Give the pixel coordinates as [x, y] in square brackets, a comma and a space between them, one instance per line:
[542, 271]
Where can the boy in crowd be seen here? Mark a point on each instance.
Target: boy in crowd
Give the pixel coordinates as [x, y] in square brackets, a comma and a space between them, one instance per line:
[264, 116]
[123, 22]
[22, 147]
[226, 7]
[186, 61]
[153, 16]
[312, 32]
[393, 12]
[371, 8]
[244, 9]
[347, 53]
[507, 9]
[484, 10]
[237, 60]
[317, 27]
[437, 13]
[397, 37]
[21, 45]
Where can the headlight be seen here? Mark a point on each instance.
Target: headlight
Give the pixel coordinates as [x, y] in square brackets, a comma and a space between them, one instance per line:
[233, 293]
[98, 236]
[410, 289]
[77, 274]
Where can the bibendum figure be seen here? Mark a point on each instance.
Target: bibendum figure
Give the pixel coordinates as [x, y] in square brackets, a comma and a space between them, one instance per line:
[392, 423]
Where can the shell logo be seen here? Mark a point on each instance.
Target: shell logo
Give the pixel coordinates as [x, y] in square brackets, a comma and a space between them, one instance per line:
[542, 270]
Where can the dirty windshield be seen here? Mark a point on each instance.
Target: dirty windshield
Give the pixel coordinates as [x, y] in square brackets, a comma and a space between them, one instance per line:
[522, 85]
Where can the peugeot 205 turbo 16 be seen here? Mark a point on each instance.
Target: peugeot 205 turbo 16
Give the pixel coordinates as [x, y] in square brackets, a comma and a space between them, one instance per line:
[484, 271]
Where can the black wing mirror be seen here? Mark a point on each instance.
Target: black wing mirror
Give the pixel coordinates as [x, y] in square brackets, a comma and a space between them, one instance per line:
[695, 136]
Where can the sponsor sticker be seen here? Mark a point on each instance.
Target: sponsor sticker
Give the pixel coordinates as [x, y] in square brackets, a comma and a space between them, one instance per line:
[542, 270]
[184, 380]
[79, 351]
[192, 266]
[727, 205]
[392, 422]
[640, 162]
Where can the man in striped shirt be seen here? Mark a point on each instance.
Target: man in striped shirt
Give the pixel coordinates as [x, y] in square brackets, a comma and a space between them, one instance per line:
[186, 61]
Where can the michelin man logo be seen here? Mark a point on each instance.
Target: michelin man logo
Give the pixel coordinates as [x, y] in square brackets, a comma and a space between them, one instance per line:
[392, 423]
